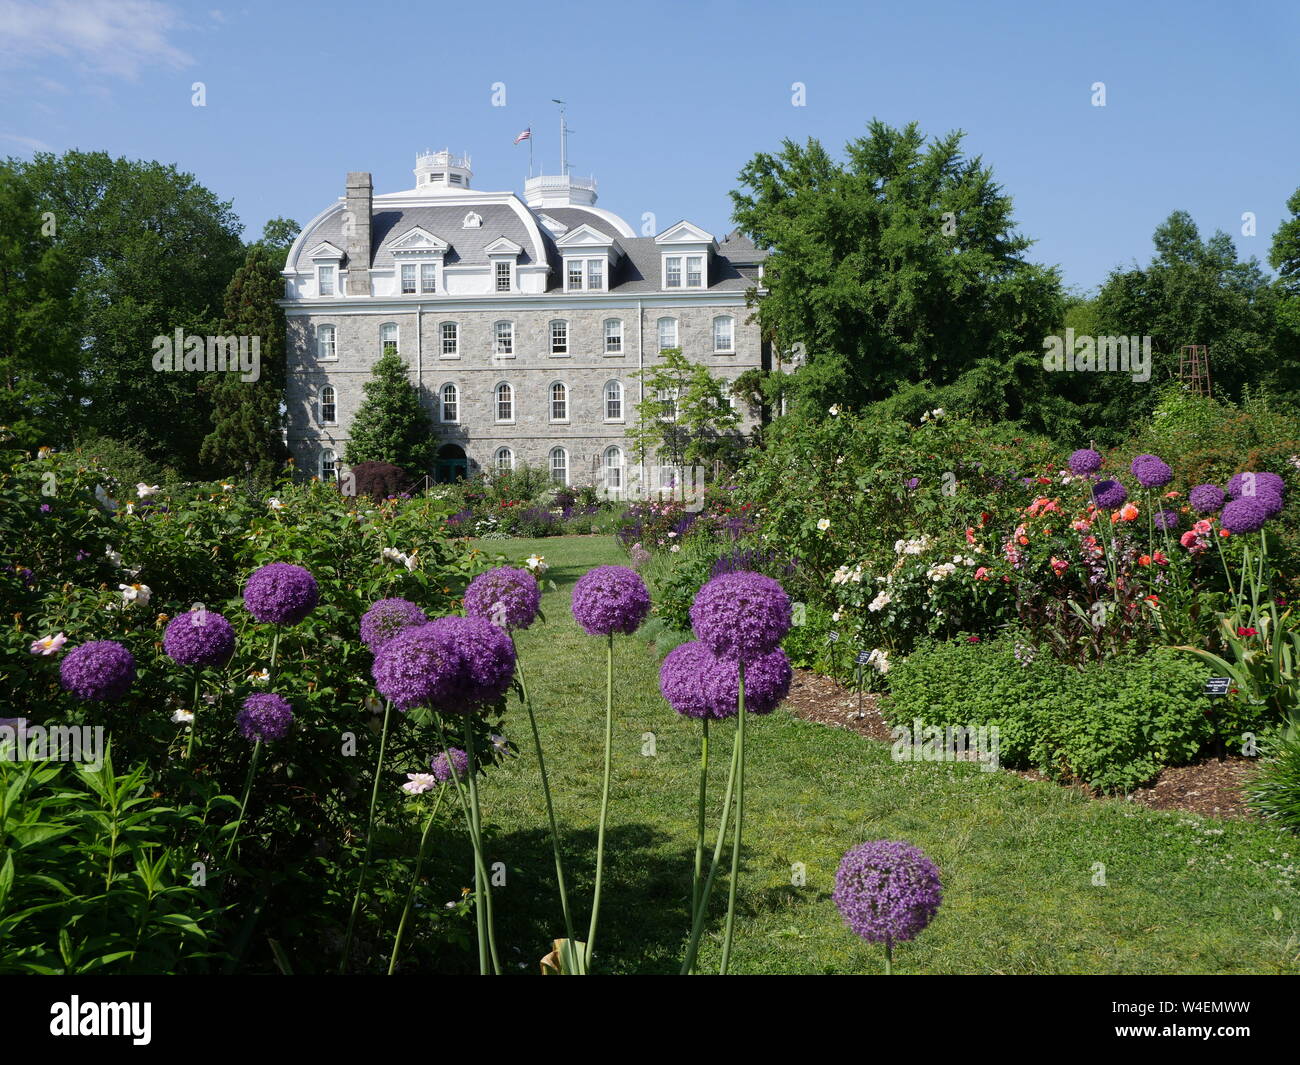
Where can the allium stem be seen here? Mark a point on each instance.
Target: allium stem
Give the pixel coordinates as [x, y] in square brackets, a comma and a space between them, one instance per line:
[486, 886]
[248, 787]
[697, 927]
[889, 956]
[604, 798]
[194, 724]
[550, 806]
[415, 880]
[697, 880]
[370, 833]
[740, 823]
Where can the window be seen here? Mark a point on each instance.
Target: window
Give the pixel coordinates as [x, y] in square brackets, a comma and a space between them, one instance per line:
[667, 333]
[559, 465]
[582, 274]
[408, 279]
[668, 405]
[505, 403]
[575, 276]
[388, 336]
[450, 340]
[613, 336]
[505, 460]
[328, 406]
[724, 339]
[683, 271]
[673, 271]
[613, 401]
[428, 277]
[559, 402]
[695, 271]
[504, 332]
[595, 274]
[613, 468]
[503, 277]
[450, 403]
[325, 342]
[329, 465]
[325, 280]
[559, 338]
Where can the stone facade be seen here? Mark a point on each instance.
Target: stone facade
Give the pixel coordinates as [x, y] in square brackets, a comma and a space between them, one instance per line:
[358, 317]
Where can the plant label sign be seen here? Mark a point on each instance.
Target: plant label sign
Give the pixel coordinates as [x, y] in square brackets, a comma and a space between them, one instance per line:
[833, 636]
[864, 657]
[1217, 686]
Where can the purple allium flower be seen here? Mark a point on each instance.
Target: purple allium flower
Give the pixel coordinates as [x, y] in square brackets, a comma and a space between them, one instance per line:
[443, 766]
[1272, 501]
[82, 555]
[912, 483]
[199, 638]
[610, 599]
[1151, 471]
[741, 616]
[266, 716]
[452, 664]
[1085, 461]
[506, 596]
[1109, 495]
[682, 678]
[282, 593]
[387, 618]
[1245, 515]
[887, 891]
[1206, 498]
[98, 671]
[767, 682]
[1166, 519]
[45, 508]
[1244, 485]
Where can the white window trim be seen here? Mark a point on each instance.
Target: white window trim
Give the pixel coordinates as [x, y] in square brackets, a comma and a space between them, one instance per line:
[441, 353]
[496, 409]
[550, 465]
[496, 459]
[320, 406]
[677, 333]
[622, 402]
[622, 338]
[442, 406]
[550, 404]
[568, 339]
[514, 339]
[398, 327]
[684, 256]
[514, 275]
[621, 466]
[320, 464]
[337, 272]
[724, 351]
[335, 345]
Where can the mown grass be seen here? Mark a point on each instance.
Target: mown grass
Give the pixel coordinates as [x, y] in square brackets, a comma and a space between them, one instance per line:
[1036, 878]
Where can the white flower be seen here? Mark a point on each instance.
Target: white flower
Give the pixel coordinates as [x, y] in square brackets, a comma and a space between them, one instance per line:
[135, 593]
[183, 717]
[939, 572]
[419, 783]
[260, 676]
[275, 504]
[538, 564]
[835, 410]
[837, 615]
[227, 487]
[113, 557]
[937, 412]
[839, 460]
[373, 704]
[105, 500]
[878, 660]
[130, 508]
[146, 491]
[822, 525]
[882, 600]
[48, 645]
[400, 557]
[671, 532]
[675, 548]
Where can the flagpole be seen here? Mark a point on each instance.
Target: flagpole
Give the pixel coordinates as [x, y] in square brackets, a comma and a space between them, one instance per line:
[530, 149]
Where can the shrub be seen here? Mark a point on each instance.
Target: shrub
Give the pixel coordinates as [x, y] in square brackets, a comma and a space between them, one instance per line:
[380, 480]
[1275, 790]
[1112, 725]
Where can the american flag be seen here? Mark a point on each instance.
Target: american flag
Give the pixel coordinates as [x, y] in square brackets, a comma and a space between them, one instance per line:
[526, 135]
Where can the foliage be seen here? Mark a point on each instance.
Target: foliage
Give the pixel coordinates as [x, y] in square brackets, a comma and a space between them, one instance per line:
[391, 424]
[380, 480]
[685, 417]
[1275, 790]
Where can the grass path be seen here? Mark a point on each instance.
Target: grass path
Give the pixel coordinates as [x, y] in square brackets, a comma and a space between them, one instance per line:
[1036, 878]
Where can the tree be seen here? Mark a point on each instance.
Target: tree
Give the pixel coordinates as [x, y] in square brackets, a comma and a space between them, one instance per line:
[247, 417]
[1284, 257]
[392, 425]
[39, 383]
[901, 265]
[149, 251]
[686, 417]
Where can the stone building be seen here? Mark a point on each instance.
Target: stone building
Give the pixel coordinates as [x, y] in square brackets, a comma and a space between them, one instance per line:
[523, 321]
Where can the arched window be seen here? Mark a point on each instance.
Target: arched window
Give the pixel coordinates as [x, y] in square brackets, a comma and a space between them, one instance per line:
[613, 336]
[614, 468]
[559, 402]
[388, 339]
[668, 334]
[724, 335]
[505, 460]
[326, 338]
[329, 465]
[613, 401]
[559, 465]
[505, 402]
[328, 412]
[450, 402]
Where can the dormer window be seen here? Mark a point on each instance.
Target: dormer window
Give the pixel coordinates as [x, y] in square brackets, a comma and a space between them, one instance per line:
[408, 279]
[584, 274]
[503, 254]
[684, 268]
[685, 249]
[325, 280]
[504, 272]
[419, 254]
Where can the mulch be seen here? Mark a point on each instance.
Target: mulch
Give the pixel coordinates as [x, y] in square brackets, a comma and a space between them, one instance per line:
[1211, 788]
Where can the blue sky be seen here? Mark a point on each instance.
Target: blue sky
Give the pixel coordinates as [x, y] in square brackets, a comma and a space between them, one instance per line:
[667, 101]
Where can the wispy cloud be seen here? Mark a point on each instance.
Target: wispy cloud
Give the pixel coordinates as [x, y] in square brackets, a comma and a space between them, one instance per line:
[114, 37]
[27, 142]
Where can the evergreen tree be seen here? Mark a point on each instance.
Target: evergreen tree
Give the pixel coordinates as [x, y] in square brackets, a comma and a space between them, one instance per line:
[392, 424]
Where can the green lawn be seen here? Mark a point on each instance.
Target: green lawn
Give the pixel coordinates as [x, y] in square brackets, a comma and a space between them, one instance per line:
[1018, 859]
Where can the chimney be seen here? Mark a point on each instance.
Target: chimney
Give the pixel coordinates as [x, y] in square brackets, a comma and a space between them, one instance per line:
[356, 232]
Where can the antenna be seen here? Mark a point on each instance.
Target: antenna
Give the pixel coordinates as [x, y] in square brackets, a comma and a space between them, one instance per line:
[564, 139]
